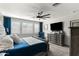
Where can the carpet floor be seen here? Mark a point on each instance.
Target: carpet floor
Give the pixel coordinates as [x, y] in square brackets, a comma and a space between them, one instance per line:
[56, 50]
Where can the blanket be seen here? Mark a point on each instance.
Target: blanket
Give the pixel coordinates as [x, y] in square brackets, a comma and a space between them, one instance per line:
[6, 43]
[32, 41]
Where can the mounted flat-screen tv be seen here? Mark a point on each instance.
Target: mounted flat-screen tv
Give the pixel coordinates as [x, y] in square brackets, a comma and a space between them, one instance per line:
[56, 26]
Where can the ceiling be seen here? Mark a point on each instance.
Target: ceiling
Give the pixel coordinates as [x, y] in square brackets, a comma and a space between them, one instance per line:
[30, 10]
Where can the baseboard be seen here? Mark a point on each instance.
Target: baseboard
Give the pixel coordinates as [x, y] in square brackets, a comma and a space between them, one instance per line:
[66, 45]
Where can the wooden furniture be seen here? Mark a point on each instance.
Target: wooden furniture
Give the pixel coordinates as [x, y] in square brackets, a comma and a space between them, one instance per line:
[56, 38]
[74, 29]
[74, 48]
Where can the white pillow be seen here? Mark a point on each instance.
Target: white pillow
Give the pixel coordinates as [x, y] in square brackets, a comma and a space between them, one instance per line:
[16, 38]
[6, 42]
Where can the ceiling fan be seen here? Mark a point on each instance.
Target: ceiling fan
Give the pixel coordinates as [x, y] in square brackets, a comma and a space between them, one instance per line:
[40, 15]
[56, 4]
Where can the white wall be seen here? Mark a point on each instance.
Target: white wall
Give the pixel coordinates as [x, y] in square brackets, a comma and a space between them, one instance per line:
[1, 20]
[66, 20]
[46, 27]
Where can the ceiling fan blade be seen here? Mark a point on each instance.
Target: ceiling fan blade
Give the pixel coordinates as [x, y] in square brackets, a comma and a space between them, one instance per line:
[56, 4]
[45, 15]
[40, 13]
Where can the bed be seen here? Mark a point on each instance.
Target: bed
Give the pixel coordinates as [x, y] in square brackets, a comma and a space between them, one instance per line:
[29, 46]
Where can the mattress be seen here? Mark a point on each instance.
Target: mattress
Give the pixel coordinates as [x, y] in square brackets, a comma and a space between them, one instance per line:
[28, 47]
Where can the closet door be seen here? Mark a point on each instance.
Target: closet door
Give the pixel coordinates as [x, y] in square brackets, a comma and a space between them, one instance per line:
[74, 48]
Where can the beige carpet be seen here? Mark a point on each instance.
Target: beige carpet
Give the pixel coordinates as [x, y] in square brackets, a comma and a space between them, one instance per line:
[56, 50]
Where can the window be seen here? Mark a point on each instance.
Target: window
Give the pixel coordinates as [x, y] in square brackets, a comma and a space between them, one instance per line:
[15, 27]
[24, 27]
[27, 28]
[36, 28]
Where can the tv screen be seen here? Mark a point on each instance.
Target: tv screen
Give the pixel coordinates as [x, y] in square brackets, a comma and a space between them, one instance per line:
[57, 26]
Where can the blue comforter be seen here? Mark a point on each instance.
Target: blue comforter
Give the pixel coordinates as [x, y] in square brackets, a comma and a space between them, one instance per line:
[24, 49]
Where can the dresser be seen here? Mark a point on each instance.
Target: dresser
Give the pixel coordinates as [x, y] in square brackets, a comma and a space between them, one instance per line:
[56, 38]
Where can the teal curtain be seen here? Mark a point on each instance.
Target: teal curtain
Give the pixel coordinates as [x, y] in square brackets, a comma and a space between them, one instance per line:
[41, 27]
[7, 24]
[41, 33]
